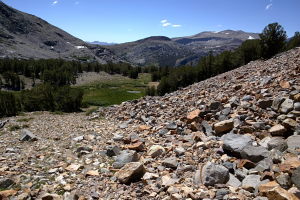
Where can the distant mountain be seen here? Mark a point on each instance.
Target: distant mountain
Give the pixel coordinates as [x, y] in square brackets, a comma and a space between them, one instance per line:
[160, 50]
[157, 50]
[102, 43]
[25, 36]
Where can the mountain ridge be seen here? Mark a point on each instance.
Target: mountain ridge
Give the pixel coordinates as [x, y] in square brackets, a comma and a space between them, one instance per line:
[26, 36]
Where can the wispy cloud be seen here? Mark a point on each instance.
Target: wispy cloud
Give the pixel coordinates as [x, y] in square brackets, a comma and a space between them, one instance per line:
[269, 6]
[76, 2]
[54, 3]
[165, 23]
[176, 25]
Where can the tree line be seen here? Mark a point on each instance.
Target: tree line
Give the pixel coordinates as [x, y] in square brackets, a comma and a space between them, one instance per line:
[55, 93]
[55, 71]
[273, 40]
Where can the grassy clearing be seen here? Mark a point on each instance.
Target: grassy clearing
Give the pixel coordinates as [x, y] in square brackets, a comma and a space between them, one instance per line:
[115, 90]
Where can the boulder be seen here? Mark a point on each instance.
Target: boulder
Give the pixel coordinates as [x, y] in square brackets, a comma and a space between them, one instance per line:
[277, 143]
[284, 180]
[170, 162]
[293, 142]
[26, 135]
[223, 126]
[234, 143]
[296, 177]
[233, 181]
[124, 157]
[6, 183]
[277, 102]
[155, 151]
[264, 103]
[254, 153]
[214, 174]
[290, 124]
[251, 182]
[193, 115]
[277, 130]
[286, 106]
[280, 194]
[131, 172]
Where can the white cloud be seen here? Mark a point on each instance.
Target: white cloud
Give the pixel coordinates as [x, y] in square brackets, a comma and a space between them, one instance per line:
[176, 25]
[269, 6]
[54, 2]
[166, 24]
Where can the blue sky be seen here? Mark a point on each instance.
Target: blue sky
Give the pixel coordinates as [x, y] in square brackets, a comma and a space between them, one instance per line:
[129, 20]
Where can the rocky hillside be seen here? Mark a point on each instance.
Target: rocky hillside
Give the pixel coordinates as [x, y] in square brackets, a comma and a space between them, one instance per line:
[26, 36]
[233, 136]
[163, 51]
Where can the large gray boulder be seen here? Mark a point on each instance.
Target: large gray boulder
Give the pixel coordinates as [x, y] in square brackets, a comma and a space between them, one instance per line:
[234, 143]
[254, 153]
[287, 106]
[293, 142]
[277, 143]
[296, 177]
[125, 157]
[251, 182]
[214, 174]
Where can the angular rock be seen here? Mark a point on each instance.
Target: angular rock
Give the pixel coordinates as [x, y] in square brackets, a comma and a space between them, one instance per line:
[170, 162]
[193, 115]
[277, 130]
[171, 126]
[287, 106]
[131, 172]
[254, 153]
[6, 183]
[233, 181]
[290, 124]
[73, 167]
[265, 187]
[112, 151]
[251, 183]
[124, 157]
[264, 165]
[277, 102]
[223, 126]
[168, 181]
[26, 135]
[296, 177]
[234, 143]
[277, 143]
[179, 151]
[297, 106]
[280, 194]
[293, 142]
[284, 180]
[214, 174]
[264, 103]
[156, 150]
